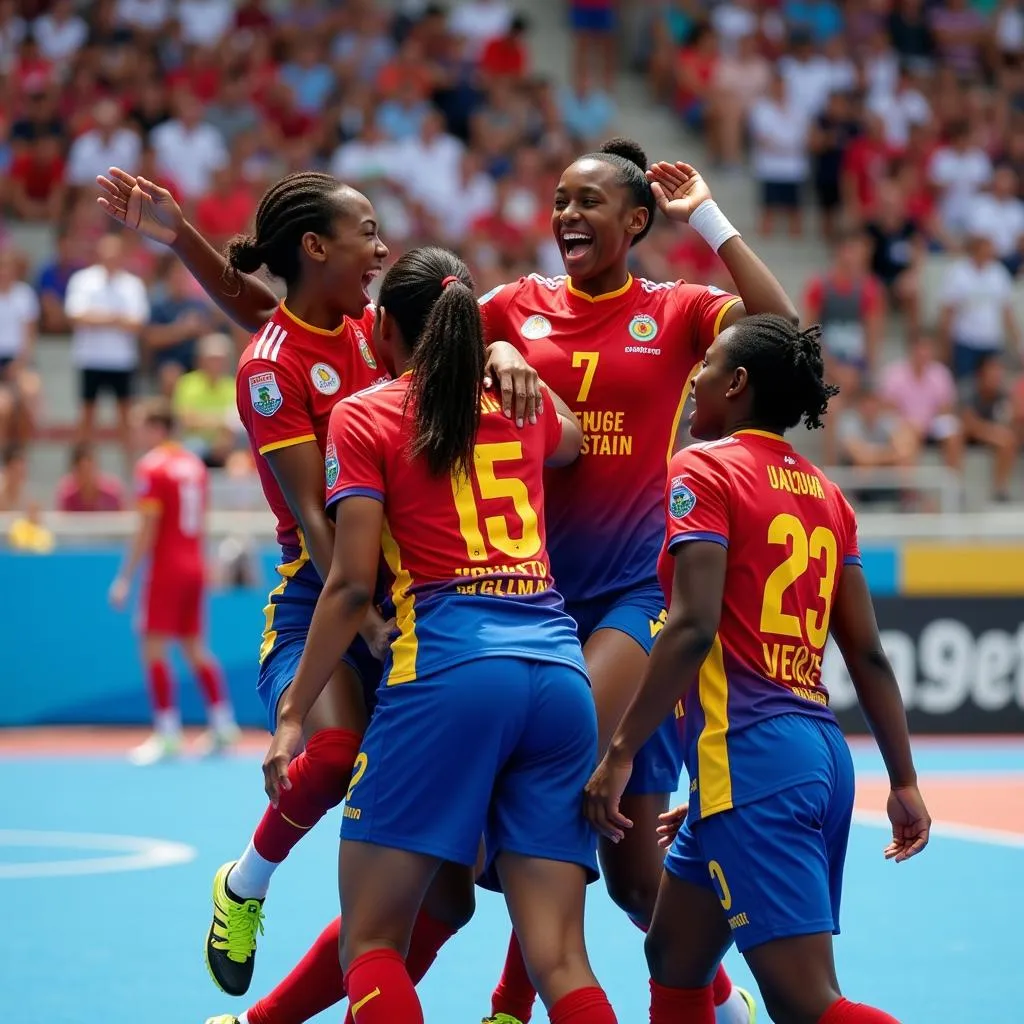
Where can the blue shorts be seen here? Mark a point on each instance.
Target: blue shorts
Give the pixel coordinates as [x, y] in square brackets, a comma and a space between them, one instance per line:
[777, 864]
[498, 748]
[639, 613]
[288, 613]
[591, 19]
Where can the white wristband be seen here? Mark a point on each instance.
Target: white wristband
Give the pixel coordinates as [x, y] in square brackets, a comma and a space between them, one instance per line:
[712, 225]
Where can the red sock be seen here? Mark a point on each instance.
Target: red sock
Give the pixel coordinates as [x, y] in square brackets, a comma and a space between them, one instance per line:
[584, 1006]
[515, 993]
[211, 682]
[381, 991]
[319, 778]
[721, 986]
[844, 1012]
[161, 686]
[315, 983]
[672, 1005]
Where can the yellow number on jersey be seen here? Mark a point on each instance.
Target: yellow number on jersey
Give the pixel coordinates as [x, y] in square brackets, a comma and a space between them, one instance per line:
[786, 530]
[588, 360]
[485, 457]
[358, 771]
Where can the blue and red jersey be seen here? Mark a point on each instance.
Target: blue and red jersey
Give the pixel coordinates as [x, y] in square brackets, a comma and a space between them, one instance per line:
[468, 555]
[789, 532]
[289, 378]
[622, 362]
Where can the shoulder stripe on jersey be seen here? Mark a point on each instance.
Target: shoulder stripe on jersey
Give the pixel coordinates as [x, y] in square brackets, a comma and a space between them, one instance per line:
[277, 345]
[257, 352]
[552, 283]
[657, 286]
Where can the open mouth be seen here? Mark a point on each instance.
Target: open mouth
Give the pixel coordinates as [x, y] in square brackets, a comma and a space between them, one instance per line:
[576, 243]
[370, 276]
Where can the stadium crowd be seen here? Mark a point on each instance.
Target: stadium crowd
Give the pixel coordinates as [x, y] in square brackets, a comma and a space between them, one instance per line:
[899, 123]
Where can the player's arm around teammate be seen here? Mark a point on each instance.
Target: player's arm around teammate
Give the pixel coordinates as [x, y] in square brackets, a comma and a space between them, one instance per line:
[712, 637]
[148, 208]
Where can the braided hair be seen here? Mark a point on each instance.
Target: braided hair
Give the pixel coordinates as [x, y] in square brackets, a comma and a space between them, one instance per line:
[298, 203]
[630, 161]
[785, 368]
[429, 293]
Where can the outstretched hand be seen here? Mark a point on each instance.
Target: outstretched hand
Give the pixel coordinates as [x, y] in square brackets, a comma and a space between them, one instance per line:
[141, 205]
[678, 189]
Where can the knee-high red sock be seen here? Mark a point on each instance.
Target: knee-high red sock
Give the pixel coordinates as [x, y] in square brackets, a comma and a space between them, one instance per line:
[515, 994]
[319, 778]
[211, 683]
[315, 983]
[672, 1005]
[381, 991]
[842, 1011]
[584, 1006]
[428, 936]
[161, 685]
[721, 986]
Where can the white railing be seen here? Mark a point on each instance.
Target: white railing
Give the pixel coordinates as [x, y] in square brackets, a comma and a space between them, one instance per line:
[941, 480]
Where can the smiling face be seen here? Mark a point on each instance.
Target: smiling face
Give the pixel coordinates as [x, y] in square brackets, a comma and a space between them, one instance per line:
[594, 219]
[714, 389]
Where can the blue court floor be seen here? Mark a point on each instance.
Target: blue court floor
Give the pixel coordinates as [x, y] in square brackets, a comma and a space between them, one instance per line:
[105, 872]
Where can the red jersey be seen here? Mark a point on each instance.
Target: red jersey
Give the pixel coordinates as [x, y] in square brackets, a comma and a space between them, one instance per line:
[789, 532]
[173, 481]
[289, 378]
[468, 556]
[622, 362]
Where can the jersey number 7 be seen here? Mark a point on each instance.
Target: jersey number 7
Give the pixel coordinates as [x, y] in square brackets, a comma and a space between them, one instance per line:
[589, 361]
[492, 487]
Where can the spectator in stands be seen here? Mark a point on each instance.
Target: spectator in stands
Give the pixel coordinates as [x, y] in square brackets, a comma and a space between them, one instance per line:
[900, 108]
[107, 309]
[232, 113]
[866, 164]
[779, 155]
[204, 402]
[988, 420]
[807, 74]
[86, 488]
[830, 137]
[873, 437]
[228, 208]
[52, 284]
[959, 171]
[180, 314]
[911, 34]
[739, 79]
[143, 18]
[921, 390]
[39, 118]
[187, 148]
[960, 32]
[588, 112]
[976, 318]
[505, 57]
[19, 325]
[61, 33]
[897, 253]
[151, 107]
[205, 22]
[308, 75]
[13, 30]
[37, 181]
[109, 143]
[998, 215]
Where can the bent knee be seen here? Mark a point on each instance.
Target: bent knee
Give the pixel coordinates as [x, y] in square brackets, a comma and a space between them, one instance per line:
[634, 895]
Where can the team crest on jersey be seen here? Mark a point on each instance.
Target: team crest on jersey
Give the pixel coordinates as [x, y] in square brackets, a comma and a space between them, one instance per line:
[325, 379]
[535, 327]
[681, 499]
[331, 465]
[643, 327]
[484, 299]
[364, 349]
[264, 393]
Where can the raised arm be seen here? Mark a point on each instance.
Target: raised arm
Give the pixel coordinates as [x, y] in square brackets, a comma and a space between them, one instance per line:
[145, 207]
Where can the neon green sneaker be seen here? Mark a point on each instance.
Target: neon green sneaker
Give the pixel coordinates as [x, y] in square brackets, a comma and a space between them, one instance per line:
[231, 941]
[744, 994]
[225, 1018]
[501, 1018]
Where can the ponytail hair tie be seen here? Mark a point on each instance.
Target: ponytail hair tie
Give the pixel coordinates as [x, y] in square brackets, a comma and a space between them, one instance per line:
[450, 279]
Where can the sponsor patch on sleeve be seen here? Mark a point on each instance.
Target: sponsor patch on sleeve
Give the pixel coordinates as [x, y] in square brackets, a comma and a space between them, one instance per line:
[681, 499]
[265, 394]
[331, 465]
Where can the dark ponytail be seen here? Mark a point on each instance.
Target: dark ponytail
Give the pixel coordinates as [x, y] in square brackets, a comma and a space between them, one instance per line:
[786, 370]
[429, 293]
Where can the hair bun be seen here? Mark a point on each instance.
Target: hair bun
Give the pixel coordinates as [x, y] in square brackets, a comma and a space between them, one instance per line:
[244, 255]
[628, 149]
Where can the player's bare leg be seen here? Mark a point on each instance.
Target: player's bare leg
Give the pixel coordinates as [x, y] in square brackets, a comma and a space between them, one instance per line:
[546, 901]
[223, 732]
[319, 778]
[124, 431]
[166, 739]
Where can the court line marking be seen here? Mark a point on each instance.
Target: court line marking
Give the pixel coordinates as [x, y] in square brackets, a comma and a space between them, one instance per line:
[949, 830]
[140, 853]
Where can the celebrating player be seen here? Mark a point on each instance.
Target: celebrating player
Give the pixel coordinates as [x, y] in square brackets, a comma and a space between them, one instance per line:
[621, 351]
[760, 560]
[171, 487]
[428, 467]
[320, 237]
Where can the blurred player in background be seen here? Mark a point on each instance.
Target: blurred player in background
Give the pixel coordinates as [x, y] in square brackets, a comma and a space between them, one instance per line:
[172, 492]
[621, 351]
[760, 560]
[470, 734]
[309, 351]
